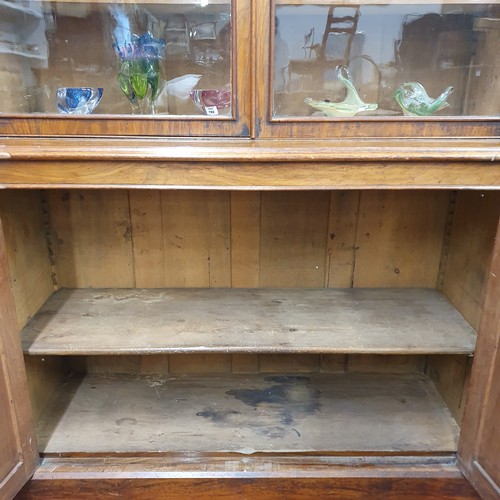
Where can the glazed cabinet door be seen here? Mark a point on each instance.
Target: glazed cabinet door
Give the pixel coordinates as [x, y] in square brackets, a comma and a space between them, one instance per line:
[346, 68]
[18, 450]
[480, 445]
[145, 67]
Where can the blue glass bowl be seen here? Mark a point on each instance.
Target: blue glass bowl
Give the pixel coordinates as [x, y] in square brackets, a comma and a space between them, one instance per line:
[78, 100]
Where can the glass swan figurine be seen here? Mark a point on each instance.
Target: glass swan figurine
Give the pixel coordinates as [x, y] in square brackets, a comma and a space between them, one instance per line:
[350, 106]
[414, 101]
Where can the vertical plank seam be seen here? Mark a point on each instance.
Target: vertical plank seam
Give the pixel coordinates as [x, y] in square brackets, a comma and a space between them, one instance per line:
[132, 242]
[209, 238]
[356, 235]
[231, 202]
[162, 228]
[260, 264]
[448, 227]
[254, 132]
[260, 238]
[48, 237]
[328, 256]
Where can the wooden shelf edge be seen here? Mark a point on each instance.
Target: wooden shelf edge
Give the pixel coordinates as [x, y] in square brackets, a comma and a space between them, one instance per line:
[221, 320]
[228, 465]
[243, 350]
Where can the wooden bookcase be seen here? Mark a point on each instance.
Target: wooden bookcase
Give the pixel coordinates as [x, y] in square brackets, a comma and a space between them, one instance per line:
[295, 314]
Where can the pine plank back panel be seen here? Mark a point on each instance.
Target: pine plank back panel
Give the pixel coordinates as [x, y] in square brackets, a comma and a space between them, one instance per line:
[285, 239]
[399, 238]
[293, 239]
[91, 238]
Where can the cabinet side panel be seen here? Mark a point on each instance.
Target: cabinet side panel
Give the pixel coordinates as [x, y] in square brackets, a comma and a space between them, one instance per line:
[488, 457]
[399, 238]
[22, 213]
[44, 375]
[469, 253]
[450, 374]
[91, 238]
[8, 431]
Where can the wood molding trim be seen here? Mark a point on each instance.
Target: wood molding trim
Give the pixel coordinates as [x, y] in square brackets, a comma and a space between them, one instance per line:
[260, 477]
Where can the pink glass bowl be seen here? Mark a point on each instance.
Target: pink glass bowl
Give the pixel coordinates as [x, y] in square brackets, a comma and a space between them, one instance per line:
[208, 99]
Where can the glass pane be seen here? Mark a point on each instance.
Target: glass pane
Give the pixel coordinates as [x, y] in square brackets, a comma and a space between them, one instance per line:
[116, 58]
[344, 60]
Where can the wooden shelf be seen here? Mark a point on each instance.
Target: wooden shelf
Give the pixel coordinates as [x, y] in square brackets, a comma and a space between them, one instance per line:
[135, 321]
[349, 412]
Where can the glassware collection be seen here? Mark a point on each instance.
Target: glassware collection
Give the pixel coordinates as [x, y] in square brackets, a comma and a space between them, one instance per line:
[350, 59]
[411, 97]
[83, 57]
[335, 60]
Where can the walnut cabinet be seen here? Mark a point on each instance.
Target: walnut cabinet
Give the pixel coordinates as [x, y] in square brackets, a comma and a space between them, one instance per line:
[215, 290]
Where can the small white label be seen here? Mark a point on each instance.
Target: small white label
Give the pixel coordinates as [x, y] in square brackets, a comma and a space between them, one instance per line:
[211, 110]
[478, 72]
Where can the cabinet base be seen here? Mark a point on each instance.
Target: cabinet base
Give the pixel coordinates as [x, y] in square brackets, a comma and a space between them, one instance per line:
[262, 477]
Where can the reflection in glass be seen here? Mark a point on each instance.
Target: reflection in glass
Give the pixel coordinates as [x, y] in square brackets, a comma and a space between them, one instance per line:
[398, 55]
[147, 57]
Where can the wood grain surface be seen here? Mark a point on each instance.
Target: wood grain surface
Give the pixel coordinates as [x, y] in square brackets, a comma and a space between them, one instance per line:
[135, 321]
[352, 412]
[232, 476]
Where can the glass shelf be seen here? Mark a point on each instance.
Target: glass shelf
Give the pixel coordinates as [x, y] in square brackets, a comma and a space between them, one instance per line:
[11, 12]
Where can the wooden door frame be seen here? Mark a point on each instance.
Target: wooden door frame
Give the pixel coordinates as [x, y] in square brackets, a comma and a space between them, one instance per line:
[239, 124]
[480, 391]
[11, 358]
[307, 127]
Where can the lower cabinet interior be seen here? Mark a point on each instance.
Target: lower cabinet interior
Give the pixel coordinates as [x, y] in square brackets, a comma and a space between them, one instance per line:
[325, 322]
